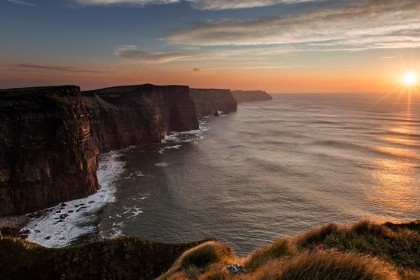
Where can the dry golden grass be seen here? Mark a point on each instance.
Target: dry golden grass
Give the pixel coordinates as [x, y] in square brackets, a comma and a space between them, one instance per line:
[326, 265]
[209, 256]
[361, 251]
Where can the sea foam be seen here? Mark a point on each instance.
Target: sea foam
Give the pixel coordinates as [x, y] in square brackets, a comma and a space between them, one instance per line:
[63, 224]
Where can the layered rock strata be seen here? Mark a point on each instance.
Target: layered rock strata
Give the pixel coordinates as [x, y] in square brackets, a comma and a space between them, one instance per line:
[209, 101]
[50, 137]
[47, 154]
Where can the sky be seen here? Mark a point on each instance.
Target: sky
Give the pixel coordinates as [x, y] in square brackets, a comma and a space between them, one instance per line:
[331, 46]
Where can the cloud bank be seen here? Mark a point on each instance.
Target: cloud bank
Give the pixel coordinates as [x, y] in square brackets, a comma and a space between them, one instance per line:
[144, 56]
[57, 68]
[21, 2]
[197, 4]
[365, 24]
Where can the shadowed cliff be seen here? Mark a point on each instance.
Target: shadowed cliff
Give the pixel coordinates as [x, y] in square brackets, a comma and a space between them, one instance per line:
[134, 115]
[46, 152]
[50, 137]
[209, 101]
[250, 96]
[362, 251]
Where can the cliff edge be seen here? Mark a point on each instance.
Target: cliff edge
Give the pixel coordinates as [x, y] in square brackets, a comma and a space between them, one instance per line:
[50, 137]
[209, 101]
[250, 96]
[46, 152]
[133, 115]
[361, 251]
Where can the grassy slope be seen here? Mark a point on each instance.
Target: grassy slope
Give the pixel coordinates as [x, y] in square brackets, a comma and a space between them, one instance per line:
[362, 251]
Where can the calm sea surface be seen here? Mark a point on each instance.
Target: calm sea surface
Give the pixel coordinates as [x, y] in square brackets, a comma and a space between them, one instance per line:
[272, 169]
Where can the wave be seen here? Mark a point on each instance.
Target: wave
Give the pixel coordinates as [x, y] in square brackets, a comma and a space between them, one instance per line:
[65, 223]
[186, 136]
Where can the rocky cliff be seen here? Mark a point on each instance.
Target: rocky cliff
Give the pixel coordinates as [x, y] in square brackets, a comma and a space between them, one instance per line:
[50, 137]
[133, 115]
[46, 152]
[208, 101]
[249, 96]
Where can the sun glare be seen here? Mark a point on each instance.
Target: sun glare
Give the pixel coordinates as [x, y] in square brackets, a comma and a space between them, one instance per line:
[410, 78]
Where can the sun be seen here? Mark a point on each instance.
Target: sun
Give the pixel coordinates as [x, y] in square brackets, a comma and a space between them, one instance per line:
[410, 79]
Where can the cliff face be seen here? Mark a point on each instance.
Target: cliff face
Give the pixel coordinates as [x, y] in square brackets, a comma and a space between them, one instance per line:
[207, 101]
[50, 137]
[133, 115]
[249, 96]
[46, 152]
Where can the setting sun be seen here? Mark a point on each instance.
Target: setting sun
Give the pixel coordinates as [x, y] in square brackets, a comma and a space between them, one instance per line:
[410, 78]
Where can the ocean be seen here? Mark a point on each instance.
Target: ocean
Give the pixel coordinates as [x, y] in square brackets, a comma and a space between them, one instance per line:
[273, 169]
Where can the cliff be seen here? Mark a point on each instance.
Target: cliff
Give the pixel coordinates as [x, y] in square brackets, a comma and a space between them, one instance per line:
[249, 96]
[133, 115]
[208, 101]
[46, 152]
[50, 137]
[361, 251]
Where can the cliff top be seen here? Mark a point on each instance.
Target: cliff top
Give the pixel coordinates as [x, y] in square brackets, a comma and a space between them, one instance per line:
[129, 88]
[361, 251]
[39, 90]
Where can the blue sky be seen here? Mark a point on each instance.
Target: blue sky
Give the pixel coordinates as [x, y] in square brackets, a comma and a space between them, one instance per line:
[98, 43]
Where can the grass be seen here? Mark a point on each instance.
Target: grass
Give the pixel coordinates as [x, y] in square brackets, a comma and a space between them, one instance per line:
[361, 251]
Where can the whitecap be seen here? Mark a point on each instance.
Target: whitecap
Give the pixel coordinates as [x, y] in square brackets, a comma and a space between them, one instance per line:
[64, 223]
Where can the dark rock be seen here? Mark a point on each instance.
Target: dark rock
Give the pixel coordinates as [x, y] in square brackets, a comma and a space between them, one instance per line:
[46, 152]
[24, 231]
[50, 137]
[70, 211]
[90, 202]
[48, 238]
[249, 95]
[236, 269]
[131, 115]
[208, 101]
[63, 216]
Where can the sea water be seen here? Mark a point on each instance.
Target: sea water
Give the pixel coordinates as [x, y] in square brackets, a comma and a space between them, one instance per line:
[273, 169]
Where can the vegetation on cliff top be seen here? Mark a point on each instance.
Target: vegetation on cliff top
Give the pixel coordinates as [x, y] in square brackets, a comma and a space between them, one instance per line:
[361, 251]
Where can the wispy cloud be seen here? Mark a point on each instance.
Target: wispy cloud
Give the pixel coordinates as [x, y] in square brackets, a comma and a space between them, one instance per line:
[363, 24]
[199, 4]
[144, 56]
[130, 2]
[240, 4]
[58, 68]
[21, 2]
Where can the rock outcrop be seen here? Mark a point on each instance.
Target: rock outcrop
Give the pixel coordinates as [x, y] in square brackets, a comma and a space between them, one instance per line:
[249, 96]
[209, 101]
[46, 152]
[133, 115]
[50, 137]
